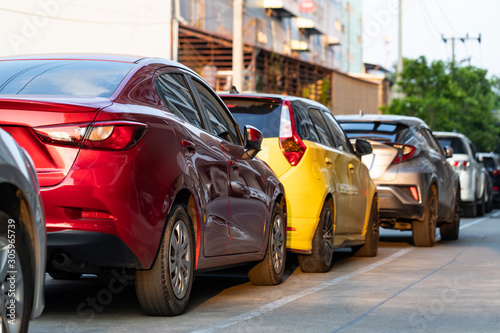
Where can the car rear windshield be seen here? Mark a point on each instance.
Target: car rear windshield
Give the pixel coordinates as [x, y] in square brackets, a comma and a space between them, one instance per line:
[377, 131]
[264, 114]
[489, 163]
[455, 143]
[68, 78]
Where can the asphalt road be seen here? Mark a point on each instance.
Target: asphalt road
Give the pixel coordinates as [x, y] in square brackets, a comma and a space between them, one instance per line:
[451, 287]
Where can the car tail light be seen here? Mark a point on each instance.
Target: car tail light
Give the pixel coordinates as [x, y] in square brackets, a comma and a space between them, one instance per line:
[464, 165]
[71, 135]
[496, 172]
[495, 188]
[105, 135]
[414, 192]
[292, 146]
[405, 151]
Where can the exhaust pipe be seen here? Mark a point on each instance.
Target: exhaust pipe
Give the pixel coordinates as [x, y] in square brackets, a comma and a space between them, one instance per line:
[64, 262]
[62, 259]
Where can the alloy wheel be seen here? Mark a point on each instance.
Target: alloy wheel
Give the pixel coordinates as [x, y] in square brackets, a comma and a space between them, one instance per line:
[328, 237]
[180, 257]
[278, 245]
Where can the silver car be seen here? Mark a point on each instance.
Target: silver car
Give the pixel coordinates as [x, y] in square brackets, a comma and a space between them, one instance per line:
[417, 189]
[468, 166]
[22, 239]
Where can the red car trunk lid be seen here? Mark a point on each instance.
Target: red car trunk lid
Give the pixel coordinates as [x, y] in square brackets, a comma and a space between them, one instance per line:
[19, 117]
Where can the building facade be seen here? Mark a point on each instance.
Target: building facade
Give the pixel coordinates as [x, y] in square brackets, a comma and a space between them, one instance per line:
[290, 46]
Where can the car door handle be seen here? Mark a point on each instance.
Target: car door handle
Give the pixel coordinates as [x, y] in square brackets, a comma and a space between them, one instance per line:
[351, 167]
[328, 161]
[189, 145]
[234, 164]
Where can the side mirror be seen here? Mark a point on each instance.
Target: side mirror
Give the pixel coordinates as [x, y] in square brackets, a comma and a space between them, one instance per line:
[253, 141]
[363, 147]
[448, 151]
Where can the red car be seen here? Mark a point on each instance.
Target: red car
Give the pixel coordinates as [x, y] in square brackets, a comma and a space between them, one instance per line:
[141, 166]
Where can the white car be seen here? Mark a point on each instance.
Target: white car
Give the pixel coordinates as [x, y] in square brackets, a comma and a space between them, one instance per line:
[22, 239]
[469, 168]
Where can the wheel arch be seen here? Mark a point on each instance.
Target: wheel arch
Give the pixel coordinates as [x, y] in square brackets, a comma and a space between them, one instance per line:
[182, 192]
[329, 196]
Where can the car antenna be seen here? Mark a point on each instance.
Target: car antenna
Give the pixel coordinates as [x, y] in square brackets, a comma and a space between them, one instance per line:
[234, 90]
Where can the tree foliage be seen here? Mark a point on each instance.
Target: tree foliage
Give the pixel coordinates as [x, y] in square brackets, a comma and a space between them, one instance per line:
[450, 98]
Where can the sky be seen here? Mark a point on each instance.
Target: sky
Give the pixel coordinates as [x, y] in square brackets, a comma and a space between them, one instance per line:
[423, 23]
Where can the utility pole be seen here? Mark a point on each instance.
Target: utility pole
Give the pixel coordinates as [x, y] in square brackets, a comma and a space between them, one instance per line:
[175, 31]
[168, 31]
[238, 44]
[399, 67]
[462, 39]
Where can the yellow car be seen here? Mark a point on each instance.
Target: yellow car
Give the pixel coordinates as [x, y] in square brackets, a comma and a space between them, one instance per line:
[330, 198]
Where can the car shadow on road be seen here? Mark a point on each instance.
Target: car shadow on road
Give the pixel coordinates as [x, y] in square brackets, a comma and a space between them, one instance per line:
[392, 237]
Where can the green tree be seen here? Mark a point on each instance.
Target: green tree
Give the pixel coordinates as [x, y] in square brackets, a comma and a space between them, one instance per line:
[450, 98]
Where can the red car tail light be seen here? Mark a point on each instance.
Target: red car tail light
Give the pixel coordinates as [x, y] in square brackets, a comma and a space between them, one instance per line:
[464, 165]
[496, 172]
[71, 135]
[102, 136]
[405, 151]
[292, 146]
[414, 192]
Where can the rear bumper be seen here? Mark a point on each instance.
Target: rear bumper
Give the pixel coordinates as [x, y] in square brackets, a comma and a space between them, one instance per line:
[397, 204]
[299, 239]
[94, 248]
[467, 187]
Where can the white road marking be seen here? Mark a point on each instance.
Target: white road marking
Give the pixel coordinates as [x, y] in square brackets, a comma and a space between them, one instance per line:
[482, 219]
[288, 299]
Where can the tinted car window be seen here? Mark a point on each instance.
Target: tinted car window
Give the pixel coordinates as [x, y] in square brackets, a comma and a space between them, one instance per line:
[81, 78]
[424, 138]
[376, 130]
[264, 114]
[173, 91]
[489, 163]
[305, 127]
[339, 135]
[473, 149]
[321, 127]
[431, 141]
[455, 143]
[221, 121]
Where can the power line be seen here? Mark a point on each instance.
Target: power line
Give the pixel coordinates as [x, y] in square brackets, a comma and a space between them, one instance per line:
[446, 18]
[427, 24]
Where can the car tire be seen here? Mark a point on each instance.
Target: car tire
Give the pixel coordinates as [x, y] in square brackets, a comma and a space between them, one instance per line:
[489, 205]
[481, 206]
[164, 290]
[370, 248]
[424, 233]
[470, 211]
[62, 275]
[23, 278]
[270, 270]
[320, 260]
[450, 231]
